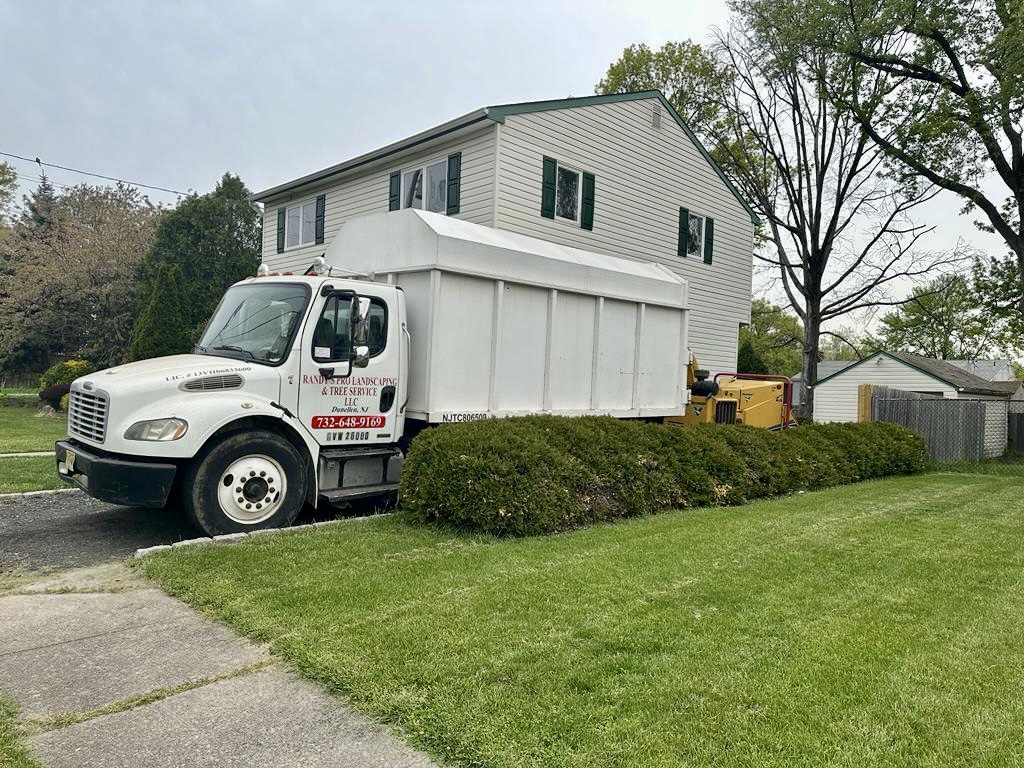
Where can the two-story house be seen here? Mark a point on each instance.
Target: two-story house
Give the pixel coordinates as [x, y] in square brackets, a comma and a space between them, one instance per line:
[619, 174]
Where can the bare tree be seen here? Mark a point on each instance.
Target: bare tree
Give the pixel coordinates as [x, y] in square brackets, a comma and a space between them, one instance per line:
[837, 229]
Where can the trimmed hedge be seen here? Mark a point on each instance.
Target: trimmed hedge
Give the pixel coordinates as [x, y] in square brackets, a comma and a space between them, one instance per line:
[542, 474]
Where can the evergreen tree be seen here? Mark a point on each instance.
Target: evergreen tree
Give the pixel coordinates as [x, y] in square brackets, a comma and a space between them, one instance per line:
[214, 240]
[163, 327]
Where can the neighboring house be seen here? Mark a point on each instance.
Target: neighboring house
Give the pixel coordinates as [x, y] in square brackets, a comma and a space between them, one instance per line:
[835, 396]
[989, 370]
[618, 174]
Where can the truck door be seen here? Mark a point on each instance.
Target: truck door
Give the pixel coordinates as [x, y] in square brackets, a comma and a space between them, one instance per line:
[347, 398]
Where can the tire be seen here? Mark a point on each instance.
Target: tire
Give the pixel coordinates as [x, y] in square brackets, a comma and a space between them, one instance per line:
[258, 465]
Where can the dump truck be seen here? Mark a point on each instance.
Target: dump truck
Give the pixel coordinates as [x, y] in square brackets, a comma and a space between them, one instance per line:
[307, 388]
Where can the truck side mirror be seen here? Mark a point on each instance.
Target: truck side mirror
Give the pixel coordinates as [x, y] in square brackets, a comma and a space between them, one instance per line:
[360, 357]
[360, 320]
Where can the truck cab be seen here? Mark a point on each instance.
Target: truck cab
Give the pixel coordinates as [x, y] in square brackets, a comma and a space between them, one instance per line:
[295, 394]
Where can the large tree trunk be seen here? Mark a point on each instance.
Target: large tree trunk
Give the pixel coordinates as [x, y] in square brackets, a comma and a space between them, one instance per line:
[809, 367]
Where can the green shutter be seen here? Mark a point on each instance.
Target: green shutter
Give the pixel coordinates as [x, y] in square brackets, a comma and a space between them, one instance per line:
[684, 231]
[454, 183]
[709, 239]
[587, 207]
[395, 191]
[321, 205]
[280, 230]
[547, 189]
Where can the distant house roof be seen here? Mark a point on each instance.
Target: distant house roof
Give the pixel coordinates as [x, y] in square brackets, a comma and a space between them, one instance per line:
[828, 367]
[942, 370]
[989, 370]
[497, 114]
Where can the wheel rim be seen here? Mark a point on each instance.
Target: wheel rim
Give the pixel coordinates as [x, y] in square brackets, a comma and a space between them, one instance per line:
[252, 489]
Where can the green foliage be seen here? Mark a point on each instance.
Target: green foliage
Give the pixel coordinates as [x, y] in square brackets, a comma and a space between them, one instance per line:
[947, 320]
[63, 407]
[542, 474]
[163, 327]
[65, 372]
[690, 77]
[772, 343]
[67, 275]
[953, 112]
[213, 240]
[8, 187]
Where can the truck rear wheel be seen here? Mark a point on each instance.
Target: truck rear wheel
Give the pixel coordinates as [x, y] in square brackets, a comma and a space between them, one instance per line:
[243, 482]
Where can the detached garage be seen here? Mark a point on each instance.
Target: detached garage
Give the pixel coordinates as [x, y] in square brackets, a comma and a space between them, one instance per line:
[835, 396]
[972, 428]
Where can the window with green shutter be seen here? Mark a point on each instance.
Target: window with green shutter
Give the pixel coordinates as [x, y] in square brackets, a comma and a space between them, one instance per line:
[587, 202]
[318, 225]
[684, 231]
[454, 183]
[395, 191]
[696, 235]
[547, 188]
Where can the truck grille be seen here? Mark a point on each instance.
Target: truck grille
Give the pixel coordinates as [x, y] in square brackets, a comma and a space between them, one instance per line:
[87, 415]
[725, 412]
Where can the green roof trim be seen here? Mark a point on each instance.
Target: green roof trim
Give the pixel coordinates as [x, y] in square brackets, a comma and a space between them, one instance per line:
[499, 112]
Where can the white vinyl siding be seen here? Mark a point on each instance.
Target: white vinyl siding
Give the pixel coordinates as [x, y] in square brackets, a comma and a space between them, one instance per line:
[836, 398]
[644, 175]
[366, 192]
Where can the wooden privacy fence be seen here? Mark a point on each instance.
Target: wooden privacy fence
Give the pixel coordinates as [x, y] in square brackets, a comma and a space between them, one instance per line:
[953, 429]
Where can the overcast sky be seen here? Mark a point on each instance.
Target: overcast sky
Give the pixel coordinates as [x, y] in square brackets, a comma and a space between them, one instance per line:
[174, 94]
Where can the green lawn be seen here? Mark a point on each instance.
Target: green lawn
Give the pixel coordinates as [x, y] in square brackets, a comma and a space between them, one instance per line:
[28, 473]
[22, 429]
[870, 625]
[12, 750]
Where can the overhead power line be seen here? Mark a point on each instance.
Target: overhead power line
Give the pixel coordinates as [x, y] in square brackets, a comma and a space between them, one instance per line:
[39, 162]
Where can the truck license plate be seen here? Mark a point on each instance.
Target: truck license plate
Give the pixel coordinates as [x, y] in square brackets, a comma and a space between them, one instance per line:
[69, 462]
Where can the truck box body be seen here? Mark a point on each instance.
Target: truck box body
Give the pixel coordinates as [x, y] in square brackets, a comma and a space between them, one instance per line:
[504, 324]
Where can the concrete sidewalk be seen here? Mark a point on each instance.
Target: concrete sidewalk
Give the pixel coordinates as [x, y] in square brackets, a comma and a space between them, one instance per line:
[111, 672]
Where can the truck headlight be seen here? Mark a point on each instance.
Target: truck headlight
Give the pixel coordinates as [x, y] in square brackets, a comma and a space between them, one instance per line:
[158, 429]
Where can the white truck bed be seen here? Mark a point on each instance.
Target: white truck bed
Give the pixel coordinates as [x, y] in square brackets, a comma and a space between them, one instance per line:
[505, 324]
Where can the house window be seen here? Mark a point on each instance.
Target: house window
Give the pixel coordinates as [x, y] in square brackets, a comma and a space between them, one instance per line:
[695, 239]
[300, 225]
[696, 235]
[426, 187]
[567, 194]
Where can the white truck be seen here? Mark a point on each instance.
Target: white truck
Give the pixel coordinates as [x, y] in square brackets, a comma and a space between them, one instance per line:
[306, 389]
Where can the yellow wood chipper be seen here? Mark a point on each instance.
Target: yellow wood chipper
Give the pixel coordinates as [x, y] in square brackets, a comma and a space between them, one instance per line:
[758, 400]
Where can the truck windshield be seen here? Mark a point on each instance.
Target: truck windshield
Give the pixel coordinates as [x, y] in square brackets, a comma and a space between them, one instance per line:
[256, 322]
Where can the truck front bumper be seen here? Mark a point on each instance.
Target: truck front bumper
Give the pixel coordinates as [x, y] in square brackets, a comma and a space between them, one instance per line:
[113, 478]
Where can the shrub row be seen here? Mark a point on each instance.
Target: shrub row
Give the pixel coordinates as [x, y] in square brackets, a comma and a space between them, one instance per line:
[542, 474]
[55, 383]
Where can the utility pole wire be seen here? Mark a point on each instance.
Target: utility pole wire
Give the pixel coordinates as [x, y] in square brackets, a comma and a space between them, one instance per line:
[87, 173]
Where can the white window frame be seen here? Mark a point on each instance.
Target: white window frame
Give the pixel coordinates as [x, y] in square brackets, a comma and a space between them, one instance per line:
[703, 233]
[301, 206]
[422, 168]
[579, 193]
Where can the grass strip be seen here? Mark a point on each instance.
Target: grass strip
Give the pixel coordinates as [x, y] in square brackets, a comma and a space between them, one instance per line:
[13, 752]
[20, 474]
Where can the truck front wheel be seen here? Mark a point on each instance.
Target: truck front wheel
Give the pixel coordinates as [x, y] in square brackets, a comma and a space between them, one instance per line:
[243, 482]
